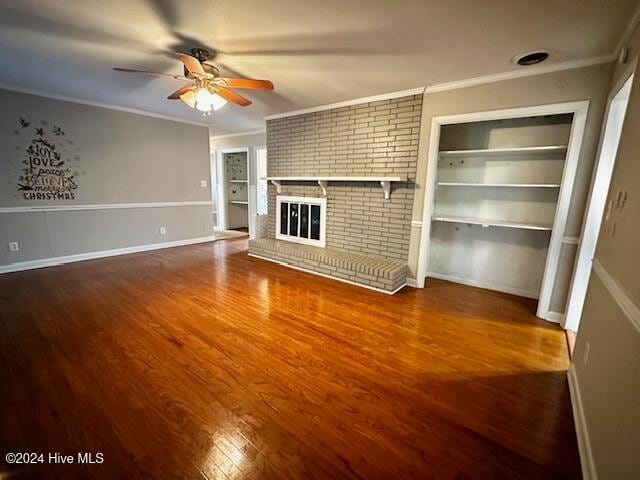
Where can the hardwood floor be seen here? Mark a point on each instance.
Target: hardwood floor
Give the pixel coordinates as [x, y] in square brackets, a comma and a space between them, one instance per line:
[201, 362]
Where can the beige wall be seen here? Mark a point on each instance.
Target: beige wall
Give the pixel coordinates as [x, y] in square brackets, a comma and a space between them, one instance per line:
[589, 83]
[116, 158]
[607, 354]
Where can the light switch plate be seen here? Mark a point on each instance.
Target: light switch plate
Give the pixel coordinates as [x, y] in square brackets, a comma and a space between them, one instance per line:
[203, 183]
[14, 247]
[163, 230]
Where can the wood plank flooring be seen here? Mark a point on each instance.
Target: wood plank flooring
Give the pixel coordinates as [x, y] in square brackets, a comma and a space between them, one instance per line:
[201, 362]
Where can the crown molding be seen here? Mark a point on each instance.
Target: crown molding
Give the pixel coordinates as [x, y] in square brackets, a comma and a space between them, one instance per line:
[348, 103]
[628, 31]
[240, 134]
[521, 73]
[91, 103]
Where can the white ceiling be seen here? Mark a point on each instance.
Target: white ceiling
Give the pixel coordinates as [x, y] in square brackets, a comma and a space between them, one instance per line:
[315, 52]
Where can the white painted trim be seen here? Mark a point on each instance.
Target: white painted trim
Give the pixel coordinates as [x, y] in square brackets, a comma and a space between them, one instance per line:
[221, 186]
[53, 261]
[624, 301]
[411, 282]
[91, 103]
[428, 202]
[416, 223]
[348, 103]
[555, 317]
[322, 202]
[518, 112]
[571, 240]
[487, 285]
[284, 264]
[561, 216]
[520, 73]
[584, 445]
[100, 206]
[595, 205]
[240, 134]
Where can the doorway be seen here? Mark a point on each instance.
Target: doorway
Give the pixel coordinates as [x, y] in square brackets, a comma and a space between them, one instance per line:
[596, 205]
[232, 188]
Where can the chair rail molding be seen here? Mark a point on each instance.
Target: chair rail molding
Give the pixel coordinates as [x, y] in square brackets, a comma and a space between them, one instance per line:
[100, 206]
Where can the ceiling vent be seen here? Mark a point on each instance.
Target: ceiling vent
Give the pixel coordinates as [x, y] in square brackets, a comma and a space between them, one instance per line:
[531, 58]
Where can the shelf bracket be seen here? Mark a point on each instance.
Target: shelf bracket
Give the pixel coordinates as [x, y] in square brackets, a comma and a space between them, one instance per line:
[386, 186]
[278, 185]
[323, 184]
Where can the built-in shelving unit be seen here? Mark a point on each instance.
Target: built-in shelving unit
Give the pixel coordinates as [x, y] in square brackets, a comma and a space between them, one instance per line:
[238, 181]
[493, 223]
[496, 188]
[512, 185]
[504, 151]
[385, 182]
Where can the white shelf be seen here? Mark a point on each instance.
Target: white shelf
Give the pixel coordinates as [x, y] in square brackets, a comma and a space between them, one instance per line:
[515, 185]
[501, 151]
[492, 223]
[238, 181]
[239, 202]
[385, 182]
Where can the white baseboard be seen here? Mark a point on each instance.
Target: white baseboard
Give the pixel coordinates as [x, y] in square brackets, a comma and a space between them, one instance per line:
[284, 264]
[555, 317]
[487, 285]
[53, 261]
[412, 282]
[584, 446]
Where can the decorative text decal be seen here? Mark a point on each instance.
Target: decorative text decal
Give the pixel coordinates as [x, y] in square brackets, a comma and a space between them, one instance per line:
[45, 174]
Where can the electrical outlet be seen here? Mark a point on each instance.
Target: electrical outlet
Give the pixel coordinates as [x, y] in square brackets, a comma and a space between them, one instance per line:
[14, 247]
[587, 349]
[203, 183]
[163, 230]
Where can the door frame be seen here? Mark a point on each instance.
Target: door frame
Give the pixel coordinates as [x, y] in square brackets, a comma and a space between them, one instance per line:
[602, 173]
[221, 186]
[579, 110]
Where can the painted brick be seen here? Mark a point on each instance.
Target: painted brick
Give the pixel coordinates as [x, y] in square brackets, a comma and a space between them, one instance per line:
[379, 138]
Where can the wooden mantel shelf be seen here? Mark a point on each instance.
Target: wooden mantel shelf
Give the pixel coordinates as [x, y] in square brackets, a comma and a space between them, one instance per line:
[385, 182]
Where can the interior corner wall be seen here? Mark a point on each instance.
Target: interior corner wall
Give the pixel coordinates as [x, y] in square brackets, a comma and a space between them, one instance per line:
[118, 160]
[606, 359]
[369, 139]
[588, 83]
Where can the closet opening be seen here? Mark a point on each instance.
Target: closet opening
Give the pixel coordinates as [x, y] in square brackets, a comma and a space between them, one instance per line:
[496, 206]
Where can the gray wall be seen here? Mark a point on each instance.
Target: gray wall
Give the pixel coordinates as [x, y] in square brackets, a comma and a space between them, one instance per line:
[589, 83]
[116, 158]
[607, 354]
[377, 138]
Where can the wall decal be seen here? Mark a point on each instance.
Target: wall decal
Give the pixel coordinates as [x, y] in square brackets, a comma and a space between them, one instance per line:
[45, 173]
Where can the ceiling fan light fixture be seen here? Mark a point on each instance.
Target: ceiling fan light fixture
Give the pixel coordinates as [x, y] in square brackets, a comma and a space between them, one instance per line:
[205, 101]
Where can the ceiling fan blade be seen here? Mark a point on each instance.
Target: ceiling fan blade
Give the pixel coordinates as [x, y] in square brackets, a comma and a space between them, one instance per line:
[144, 72]
[181, 91]
[192, 64]
[232, 96]
[189, 98]
[247, 83]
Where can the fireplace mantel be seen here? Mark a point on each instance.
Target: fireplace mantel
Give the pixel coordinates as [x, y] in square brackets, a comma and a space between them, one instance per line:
[385, 182]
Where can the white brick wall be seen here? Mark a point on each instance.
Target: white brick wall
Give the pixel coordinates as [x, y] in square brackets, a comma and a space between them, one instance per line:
[377, 138]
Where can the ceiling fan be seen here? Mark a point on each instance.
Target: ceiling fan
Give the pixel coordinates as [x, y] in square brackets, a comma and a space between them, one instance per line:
[207, 90]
